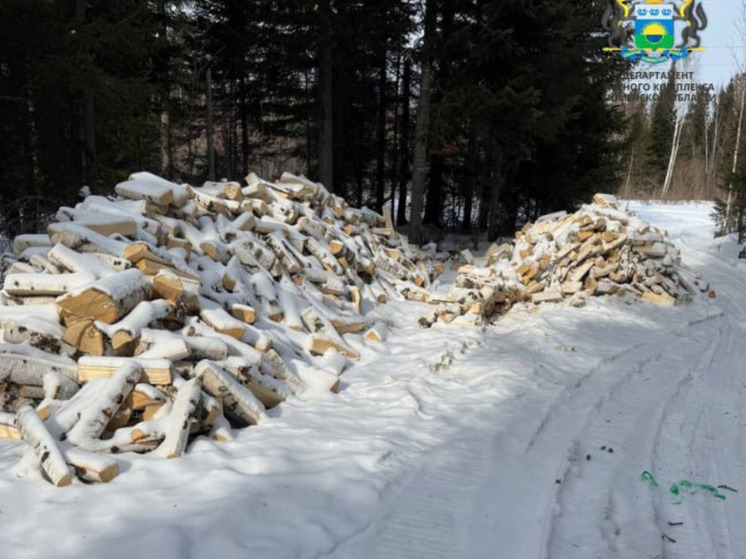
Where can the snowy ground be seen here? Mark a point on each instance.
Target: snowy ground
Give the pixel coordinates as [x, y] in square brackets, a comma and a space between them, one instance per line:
[458, 443]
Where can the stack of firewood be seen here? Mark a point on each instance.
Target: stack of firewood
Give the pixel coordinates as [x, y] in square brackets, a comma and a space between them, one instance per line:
[602, 249]
[139, 321]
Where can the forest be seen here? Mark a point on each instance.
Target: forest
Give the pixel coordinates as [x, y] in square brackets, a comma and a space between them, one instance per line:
[472, 116]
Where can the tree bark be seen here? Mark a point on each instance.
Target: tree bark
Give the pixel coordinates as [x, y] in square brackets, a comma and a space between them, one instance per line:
[493, 227]
[166, 144]
[326, 93]
[422, 129]
[87, 115]
[380, 163]
[471, 164]
[434, 203]
[674, 152]
[394, 154]
[244, 128]
[729, 204]
[401, 210]
[210, 130]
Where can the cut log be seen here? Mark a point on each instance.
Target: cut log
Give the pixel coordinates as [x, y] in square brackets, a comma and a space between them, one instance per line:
[9, 432]
[90, 467]
[22, 268]
[77, 237]
[172, 287]
[154, 371]
[225, 190]
[178, 421]
[97, 415]
[100, 223]
[120, 419]
[377, 333]
[43, 263]
[153, 192]
[44, 284]
[22, 242]
[95, 264]
[220, 320]
[244, 313]
[86, 336]
[200, 347]
[662, 300]
[28, 370]
[238, 401]
[319, 345]
[174, 350]
[547, 297]
[221, 430]
[260, 339]
[181, 194]
[146, 313]
[107, 299]
[38, 333]
[267, 389]
[45, 448]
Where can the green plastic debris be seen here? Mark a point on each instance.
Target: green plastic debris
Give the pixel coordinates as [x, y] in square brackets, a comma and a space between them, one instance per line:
[648, 477]
[685, 486]
[674, 491]
[712, 491]
[688, 485]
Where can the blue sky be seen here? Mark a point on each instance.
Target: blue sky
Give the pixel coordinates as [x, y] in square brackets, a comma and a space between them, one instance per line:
[722, 41]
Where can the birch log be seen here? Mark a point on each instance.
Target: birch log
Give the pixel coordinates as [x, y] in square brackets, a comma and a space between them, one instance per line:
[238, 401]
[178, 421]
[97, 415]
[45, 448]
[107, 299]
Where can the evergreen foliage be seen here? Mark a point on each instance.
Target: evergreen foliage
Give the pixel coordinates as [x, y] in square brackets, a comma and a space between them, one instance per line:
[521, 118]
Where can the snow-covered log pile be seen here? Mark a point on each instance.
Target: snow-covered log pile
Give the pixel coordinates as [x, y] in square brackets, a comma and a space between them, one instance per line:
[139, 321]
[602, 249]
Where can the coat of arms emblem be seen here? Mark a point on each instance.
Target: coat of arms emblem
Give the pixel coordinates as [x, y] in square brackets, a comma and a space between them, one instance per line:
[646, 30]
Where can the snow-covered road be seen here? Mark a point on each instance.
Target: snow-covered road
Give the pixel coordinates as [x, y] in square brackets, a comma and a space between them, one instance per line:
[524, 440]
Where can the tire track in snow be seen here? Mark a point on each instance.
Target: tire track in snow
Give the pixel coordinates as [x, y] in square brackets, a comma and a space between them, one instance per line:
[576, 390]
[598, 506]
[418, 522]
[421, 517]
[672, 461]
[704, 443]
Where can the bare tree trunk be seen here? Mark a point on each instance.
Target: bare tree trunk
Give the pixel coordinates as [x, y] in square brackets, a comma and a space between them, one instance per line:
[629, 172]
[493, 226]
[87, 115]
[471, 171]
[394, 155]
[434, 205]
[401, 210]
[244, 129]
[165, 141]
[380, 164]
[229, 137]
[714, 151]
[309, 141]
[674, 152]
[434, 199]
[326, 92]
[729, 204]
[422, 129]
[210, 130]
